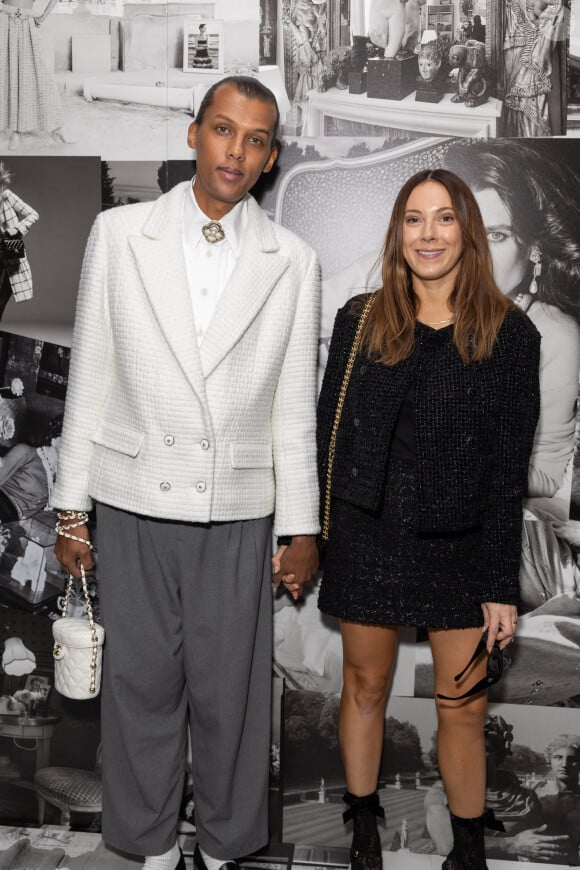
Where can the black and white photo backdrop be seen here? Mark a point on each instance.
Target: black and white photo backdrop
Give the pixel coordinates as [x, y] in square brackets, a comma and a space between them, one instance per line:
[119, 78]
[95, 100]
[65, 193]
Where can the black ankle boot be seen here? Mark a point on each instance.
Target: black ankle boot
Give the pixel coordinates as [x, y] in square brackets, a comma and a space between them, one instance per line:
[468, 851]
[365, 852]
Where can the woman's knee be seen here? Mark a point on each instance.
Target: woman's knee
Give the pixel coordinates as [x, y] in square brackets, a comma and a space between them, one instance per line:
[367, 688]
[466, 716]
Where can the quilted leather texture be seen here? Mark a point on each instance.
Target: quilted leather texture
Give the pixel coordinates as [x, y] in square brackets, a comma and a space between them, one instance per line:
[72, 658]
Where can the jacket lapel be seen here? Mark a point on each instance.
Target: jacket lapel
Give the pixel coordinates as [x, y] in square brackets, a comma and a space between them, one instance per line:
[161, 264]
[257, 272]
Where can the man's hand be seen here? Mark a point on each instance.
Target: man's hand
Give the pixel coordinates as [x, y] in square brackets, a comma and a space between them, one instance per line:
[73, 554]
[295, 565]
[535, 845]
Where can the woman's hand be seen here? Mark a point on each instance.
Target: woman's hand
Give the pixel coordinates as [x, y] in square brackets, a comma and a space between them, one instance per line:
[501, 621]
[287, 580]
[73, 554]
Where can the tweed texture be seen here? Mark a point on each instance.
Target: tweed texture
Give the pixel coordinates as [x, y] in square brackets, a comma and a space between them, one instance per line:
[158, 426]
[29, 97]
[381, 572]
[16, 217]
[474, 430]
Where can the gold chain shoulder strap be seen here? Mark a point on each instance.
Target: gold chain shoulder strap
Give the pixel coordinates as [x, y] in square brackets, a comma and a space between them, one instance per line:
[338, 413]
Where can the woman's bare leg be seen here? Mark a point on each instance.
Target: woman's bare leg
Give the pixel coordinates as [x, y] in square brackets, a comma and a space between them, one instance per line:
[460, 735]
[369, 655]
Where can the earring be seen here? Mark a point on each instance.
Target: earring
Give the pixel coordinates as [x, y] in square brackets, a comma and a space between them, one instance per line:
[536, 259]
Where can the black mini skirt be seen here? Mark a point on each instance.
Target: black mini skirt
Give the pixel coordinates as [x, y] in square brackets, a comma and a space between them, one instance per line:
[379, 570]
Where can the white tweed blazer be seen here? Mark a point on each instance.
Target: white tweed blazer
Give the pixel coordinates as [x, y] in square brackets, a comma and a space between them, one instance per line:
[155, 424]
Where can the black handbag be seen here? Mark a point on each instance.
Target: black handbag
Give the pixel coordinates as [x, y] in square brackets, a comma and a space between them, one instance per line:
[13, 247]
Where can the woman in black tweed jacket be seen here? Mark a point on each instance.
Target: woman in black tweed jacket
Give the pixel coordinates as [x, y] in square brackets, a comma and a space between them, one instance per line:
[428, 476]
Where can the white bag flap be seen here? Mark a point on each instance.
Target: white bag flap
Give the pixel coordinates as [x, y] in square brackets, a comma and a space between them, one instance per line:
[75, 632]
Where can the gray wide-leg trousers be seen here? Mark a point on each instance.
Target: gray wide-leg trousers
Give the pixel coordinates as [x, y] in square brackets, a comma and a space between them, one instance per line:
[187, 610]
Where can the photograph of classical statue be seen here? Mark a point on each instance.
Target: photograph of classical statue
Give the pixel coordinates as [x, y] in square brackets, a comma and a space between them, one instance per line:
[348, 65]
[532, 770]
[268, 31]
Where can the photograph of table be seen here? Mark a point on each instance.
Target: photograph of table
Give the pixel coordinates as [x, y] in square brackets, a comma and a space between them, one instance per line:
[444, 118]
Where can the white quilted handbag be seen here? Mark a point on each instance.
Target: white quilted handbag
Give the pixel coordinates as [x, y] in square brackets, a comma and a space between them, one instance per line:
[78, 650]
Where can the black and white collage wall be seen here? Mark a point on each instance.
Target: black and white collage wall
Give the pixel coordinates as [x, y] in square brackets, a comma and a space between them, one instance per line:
[95, 100]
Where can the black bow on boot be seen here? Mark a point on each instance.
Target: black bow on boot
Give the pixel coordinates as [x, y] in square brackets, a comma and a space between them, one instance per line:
[365, 852]
[468, 851]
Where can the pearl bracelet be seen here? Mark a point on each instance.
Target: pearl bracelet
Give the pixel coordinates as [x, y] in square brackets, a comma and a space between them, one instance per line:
[68, 520]
[80, 516]
[63, 532]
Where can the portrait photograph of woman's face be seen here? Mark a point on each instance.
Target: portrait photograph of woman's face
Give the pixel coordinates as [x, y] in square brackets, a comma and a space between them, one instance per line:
[509, 255]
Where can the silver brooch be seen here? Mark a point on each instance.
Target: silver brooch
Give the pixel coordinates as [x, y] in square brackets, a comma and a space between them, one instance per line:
[213, 232]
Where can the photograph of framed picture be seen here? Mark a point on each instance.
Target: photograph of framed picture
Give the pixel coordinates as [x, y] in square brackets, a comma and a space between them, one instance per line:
[203, 47]
[38, 683]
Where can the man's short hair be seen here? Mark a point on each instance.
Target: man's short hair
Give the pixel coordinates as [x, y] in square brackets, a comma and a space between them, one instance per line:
[250, 87]
[562, 741]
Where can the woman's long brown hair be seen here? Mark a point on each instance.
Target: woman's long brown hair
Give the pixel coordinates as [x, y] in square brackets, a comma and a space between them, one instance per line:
[477, 303]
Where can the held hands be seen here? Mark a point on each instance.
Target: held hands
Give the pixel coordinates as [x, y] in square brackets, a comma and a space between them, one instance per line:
[294, 565]
[501, 621]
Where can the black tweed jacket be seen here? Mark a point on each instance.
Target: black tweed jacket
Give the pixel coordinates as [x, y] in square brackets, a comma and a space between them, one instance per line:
[474, 429]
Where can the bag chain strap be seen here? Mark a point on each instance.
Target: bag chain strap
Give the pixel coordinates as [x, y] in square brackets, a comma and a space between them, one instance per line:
[338, 414]
[94, 638]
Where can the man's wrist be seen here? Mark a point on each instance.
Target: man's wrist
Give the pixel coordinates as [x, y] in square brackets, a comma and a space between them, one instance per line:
[286, 540]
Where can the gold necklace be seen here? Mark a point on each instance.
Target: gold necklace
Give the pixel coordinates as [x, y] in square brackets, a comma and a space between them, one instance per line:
[438, 322]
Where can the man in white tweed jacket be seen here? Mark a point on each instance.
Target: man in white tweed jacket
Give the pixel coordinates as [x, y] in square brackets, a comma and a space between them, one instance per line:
[190, 421]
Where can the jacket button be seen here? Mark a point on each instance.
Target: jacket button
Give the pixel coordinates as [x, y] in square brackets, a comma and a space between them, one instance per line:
[165, 486]
[169, 440]
[200, 486]
[362, 369]
[354, 471]
[204, 444]
[356, 422]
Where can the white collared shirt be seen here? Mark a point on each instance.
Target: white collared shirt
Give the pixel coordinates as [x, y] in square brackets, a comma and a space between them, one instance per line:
[209, 266]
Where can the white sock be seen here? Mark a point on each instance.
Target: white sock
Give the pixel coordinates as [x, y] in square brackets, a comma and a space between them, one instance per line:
[167, 861]
[212, 863]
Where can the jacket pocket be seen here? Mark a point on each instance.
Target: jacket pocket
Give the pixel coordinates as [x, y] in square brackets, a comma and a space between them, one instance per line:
[127, 441]
[251, 454]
